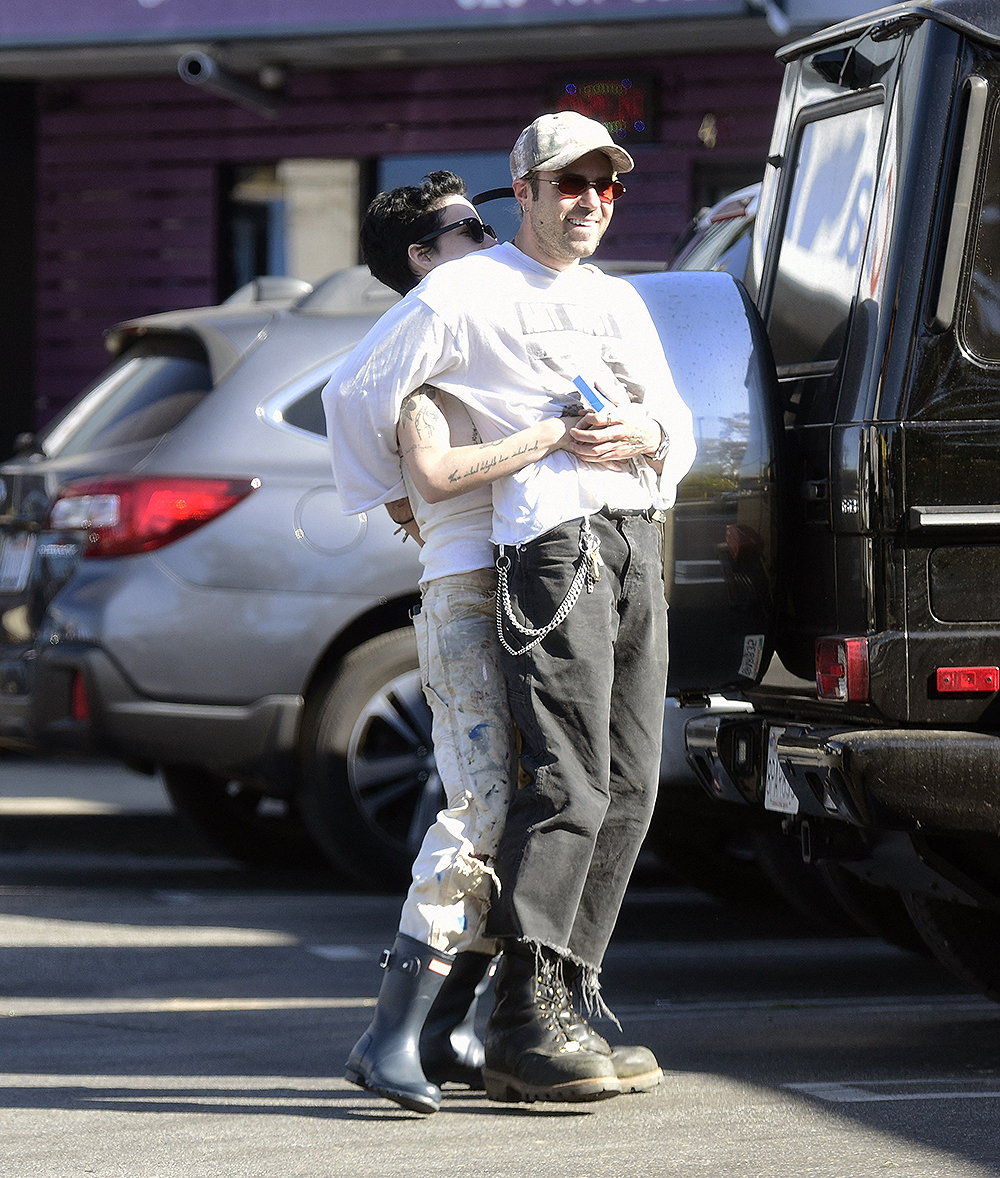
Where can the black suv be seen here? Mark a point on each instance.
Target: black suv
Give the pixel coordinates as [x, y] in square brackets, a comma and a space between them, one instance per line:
[875, 736]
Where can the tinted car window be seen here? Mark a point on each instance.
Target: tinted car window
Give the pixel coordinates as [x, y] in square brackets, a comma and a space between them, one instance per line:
[151, 388]
[724, 247]
[824, 236]
[981, 322]
[306, 412]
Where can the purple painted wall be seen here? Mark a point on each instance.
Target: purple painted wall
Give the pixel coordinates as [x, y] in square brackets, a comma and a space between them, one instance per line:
[127, 200]
[70, 22]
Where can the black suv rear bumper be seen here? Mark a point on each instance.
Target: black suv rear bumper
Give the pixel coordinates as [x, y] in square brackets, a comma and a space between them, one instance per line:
[897, 779]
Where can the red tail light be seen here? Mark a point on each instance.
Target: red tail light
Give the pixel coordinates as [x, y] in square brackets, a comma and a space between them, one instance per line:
[126, 514]
[731, 209]
[79, 707]
[972, 680]
[842, 669]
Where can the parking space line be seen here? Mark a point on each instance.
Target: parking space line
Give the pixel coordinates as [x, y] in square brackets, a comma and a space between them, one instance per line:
[35, 932]
[55, 806]
[344, 952]
[35, 1007]
[879, 1091]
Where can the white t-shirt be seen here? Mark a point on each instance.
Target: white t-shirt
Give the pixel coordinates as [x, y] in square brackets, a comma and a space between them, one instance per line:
[506, 336]
[455, 532]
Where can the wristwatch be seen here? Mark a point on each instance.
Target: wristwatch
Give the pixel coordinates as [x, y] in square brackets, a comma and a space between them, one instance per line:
[663, 448]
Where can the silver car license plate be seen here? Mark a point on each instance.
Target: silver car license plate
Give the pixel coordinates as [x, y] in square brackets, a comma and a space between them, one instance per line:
[15, 561]
[778, 794]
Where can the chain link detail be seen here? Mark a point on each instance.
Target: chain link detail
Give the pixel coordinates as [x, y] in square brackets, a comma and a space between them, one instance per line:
[588, 573]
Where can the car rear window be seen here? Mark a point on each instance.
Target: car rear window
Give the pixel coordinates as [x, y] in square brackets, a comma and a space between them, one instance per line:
[968, 392]
[825, 230]
[981, 322]
[306, 412]
[725, 247]
[148, 391]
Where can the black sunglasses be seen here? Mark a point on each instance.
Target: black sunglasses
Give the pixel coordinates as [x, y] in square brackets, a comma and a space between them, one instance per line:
[477, 230]
[608, 190]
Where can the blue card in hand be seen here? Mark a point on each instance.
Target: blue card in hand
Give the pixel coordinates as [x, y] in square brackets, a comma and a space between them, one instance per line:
[596, 400]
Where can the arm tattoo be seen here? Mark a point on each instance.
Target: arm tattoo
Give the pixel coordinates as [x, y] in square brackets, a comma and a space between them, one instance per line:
[488, 464]
[400, 511]
[418, 416]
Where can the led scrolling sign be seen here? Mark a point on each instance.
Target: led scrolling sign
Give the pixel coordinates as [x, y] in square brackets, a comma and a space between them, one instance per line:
[625, 105]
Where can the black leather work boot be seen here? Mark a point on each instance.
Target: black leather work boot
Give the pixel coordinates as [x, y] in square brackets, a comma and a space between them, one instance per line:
[529, 1055]
[386, 1059]
[450, 1049]
[635, 1067]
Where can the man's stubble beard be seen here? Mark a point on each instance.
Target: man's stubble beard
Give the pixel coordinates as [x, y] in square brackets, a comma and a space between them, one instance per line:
[558, 244]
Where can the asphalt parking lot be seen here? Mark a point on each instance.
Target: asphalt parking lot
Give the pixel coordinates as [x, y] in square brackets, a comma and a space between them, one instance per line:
[166, 1012]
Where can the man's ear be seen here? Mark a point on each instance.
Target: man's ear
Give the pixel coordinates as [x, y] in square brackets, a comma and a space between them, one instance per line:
[522, 190]
[421, 261]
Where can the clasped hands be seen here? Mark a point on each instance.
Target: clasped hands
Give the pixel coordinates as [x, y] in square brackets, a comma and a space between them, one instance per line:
[623, 431]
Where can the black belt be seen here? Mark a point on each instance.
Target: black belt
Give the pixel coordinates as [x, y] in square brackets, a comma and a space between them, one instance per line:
[626, 512]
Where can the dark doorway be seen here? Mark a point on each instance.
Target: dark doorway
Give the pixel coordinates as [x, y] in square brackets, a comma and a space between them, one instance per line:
[17, 261]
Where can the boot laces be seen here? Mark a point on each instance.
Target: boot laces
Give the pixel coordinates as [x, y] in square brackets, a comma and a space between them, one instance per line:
[569, 1017]
[550, 996]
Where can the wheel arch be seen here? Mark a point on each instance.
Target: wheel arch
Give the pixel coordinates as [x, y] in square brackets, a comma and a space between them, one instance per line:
[388, 615]
[372, 846]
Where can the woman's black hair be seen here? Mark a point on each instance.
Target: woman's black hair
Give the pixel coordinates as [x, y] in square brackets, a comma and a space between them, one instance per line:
[396, 219]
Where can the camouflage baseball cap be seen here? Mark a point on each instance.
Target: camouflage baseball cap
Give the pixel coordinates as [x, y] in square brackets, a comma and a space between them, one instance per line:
[555, 140]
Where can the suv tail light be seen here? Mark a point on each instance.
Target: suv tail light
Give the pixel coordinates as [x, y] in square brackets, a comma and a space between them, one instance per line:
[79, 704]
[125, 514]
[842, 669]
[737, 207]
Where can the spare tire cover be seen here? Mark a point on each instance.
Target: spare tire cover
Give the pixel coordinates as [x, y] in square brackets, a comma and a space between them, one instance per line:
[721, 542]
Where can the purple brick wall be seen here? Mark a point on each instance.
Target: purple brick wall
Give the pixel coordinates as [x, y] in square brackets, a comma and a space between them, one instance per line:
[128, 200]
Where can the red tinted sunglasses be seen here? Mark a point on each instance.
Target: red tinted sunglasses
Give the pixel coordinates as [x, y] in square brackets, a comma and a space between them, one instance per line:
[608, 190]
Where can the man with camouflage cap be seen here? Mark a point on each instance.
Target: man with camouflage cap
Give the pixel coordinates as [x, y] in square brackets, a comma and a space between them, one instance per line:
[518, 333]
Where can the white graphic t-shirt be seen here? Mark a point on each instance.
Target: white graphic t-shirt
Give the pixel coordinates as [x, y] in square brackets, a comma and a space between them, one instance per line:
[506, 335]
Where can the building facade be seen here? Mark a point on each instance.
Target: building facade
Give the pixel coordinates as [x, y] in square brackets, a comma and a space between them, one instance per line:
[130, 191]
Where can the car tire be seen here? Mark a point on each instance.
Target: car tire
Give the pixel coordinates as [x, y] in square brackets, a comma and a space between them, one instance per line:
[962, 938]
[370, 787]
[241, 822]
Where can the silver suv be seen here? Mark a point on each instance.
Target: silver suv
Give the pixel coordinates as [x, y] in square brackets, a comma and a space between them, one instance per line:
[179, 589]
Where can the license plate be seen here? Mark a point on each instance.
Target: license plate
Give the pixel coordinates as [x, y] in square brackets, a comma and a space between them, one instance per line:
[778, 794]
[15, 561]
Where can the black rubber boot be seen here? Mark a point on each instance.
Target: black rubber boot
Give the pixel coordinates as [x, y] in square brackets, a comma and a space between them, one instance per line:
[529, 1055]
[635, 1067]
[386, 1059]
[450, 1049]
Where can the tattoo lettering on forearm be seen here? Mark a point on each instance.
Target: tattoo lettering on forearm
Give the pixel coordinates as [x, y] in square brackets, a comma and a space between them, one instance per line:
[493, 461]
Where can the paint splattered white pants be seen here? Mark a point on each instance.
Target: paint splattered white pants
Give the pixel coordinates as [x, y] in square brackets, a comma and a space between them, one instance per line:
[453, 874]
